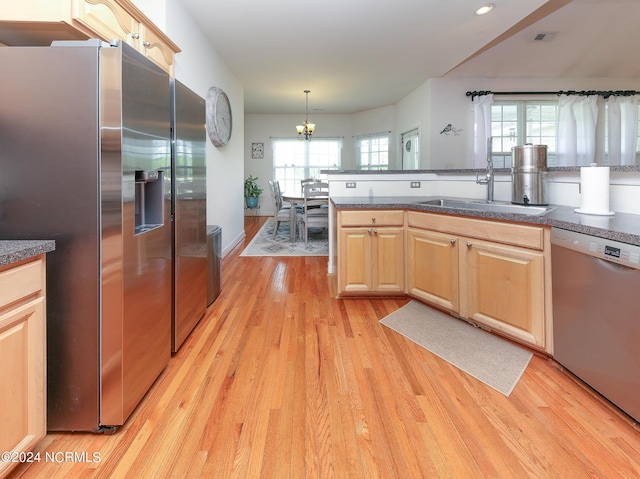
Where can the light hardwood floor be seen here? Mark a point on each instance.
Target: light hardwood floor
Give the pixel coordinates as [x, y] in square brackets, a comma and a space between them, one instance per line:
[280, 380]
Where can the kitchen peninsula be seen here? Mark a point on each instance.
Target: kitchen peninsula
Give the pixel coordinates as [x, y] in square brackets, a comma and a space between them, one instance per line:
[398, 189]
[623, 227]
[446, 256]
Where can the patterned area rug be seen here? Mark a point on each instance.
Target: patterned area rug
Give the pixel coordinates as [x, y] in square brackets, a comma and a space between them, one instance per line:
[264, 245]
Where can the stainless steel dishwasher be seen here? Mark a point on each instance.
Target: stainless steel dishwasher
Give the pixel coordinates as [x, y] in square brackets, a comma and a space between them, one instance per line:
[596, 318]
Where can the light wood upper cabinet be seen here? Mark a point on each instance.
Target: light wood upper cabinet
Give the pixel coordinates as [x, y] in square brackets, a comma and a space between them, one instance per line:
[371, 252]
[23, 358]
[156, 48]
[108, 19]
[38, 22]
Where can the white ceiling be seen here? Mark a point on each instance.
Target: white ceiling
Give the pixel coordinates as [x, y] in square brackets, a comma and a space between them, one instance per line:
[355, 55]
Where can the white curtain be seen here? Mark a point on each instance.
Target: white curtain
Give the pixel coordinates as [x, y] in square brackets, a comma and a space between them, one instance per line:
[622, 121]
[577, 118]
[482, 125]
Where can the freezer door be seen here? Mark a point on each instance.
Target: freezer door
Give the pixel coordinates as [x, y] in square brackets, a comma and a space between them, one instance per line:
[190, 216]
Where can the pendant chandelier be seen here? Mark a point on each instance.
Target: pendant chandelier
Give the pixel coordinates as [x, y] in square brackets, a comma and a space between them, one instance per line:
[305, 131]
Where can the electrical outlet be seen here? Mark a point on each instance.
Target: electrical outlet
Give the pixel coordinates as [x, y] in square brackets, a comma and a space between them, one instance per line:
[415, 184]
[351, 184]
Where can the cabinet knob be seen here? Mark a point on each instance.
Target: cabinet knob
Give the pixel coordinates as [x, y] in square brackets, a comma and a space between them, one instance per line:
[375, 232]
[469, 244]
[452, 241]
[146, 44]
[369, 231]
[373, 219]
[135, 35]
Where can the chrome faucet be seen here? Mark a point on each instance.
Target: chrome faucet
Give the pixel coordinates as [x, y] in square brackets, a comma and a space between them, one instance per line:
[488, 179]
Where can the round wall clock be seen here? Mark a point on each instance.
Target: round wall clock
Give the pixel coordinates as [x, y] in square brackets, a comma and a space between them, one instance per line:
[219, 118]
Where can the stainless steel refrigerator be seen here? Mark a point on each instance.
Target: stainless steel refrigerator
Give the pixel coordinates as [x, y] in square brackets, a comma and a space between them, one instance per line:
[190, 261]
[85, 159]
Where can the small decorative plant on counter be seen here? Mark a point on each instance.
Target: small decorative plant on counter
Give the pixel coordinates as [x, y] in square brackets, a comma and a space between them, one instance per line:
[252, 191]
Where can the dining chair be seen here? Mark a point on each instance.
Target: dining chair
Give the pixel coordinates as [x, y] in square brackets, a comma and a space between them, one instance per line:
[285, 204]
[281, 212]
[305, 182]
[316, 207]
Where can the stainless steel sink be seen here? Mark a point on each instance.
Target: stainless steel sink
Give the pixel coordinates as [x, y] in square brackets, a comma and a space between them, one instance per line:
[480, 205]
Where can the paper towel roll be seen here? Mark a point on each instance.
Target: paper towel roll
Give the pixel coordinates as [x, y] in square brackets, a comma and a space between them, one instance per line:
[594, 187]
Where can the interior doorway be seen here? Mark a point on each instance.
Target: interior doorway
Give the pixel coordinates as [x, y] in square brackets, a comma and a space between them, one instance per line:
[411, 150]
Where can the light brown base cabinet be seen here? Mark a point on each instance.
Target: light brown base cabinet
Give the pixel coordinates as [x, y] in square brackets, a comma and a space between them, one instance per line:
[371, 252]
[22, 360]
[489, 272]
[34, 22]
[432, 268]
[492, 273]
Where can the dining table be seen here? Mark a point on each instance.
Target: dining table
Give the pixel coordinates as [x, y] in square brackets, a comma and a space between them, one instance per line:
[297, 204]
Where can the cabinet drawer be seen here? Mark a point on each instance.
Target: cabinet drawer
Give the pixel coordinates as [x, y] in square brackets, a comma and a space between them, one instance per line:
[21, 281]
[372, 218]
[507, 233]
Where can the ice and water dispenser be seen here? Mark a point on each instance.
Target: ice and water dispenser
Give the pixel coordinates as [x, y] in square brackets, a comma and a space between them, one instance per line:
[149, 200]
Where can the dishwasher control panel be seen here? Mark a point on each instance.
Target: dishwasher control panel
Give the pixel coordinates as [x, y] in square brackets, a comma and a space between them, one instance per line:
[614, 251]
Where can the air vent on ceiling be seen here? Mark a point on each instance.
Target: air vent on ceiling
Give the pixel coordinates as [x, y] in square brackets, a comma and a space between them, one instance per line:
[543, 37]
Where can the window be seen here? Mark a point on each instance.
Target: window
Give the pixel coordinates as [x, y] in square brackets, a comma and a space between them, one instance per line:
[611, 160]
[372, 151]
[516, 123]
[638, 140]
[295, 160]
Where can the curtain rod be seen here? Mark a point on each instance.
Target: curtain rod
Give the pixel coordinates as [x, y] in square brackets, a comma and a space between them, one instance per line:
[605, 94]
[370, 135]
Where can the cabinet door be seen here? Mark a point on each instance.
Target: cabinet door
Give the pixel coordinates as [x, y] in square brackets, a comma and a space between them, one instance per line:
[354, 260]
[107, 19]
[23, 378]
[432, 267]
[156, 49]
[504, 289]
[388, 260]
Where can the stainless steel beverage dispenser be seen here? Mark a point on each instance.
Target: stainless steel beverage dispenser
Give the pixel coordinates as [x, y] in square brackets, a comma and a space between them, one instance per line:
[529, 175]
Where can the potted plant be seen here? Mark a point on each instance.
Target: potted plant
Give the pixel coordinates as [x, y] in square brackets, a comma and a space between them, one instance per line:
[252, 191]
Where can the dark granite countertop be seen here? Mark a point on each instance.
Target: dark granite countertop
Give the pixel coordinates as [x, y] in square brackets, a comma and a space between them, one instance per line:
[623, 227]
[12, 251]
[455, 171]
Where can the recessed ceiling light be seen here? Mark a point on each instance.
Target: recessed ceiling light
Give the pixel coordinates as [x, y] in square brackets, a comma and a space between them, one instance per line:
[485, 9]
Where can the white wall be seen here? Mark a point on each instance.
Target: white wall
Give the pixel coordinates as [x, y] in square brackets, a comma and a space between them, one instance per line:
[413, 112]
[262, 128]
[156, 10]
[430, 107]
[377, 120]
[199, 66]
